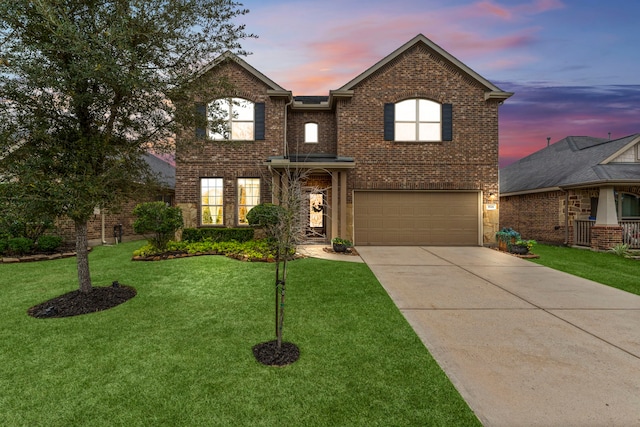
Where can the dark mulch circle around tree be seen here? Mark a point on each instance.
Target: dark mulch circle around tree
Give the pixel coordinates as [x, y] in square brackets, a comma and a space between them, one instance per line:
[267, 353]
[76, 303]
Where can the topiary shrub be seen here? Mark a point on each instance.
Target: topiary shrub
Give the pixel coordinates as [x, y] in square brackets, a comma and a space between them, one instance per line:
[49, 243]
[265, 215]
[159, 220]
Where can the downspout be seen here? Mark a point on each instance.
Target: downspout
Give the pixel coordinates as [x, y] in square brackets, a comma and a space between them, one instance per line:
[566, 218]
[104, 241]
[285, 145]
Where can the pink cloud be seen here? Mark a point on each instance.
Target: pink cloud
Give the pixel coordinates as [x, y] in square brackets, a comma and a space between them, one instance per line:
[491, 8]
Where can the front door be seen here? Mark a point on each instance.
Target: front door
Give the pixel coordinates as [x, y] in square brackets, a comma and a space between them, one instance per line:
[316, 224]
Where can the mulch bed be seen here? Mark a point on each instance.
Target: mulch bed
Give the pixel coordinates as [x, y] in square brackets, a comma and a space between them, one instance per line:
[267, 353]
[76, 303]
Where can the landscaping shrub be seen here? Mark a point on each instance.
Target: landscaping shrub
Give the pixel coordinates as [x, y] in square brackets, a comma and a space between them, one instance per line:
[49, 243]
[4, 245]
[157, 218]
[218, 234]
[20, 245]
[264, 215]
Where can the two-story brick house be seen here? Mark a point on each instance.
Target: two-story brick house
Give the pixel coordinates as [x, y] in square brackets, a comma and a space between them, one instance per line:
[405, 153]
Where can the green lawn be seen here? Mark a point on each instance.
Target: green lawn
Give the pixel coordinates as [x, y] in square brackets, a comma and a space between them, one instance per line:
[179, 353]
[605, 268]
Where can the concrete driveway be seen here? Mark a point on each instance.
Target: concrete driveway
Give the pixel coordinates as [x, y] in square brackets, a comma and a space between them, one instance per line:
[524, 345]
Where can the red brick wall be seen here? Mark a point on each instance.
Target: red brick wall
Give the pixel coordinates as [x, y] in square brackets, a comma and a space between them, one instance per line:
[541, 216]
[468, 162]
[538, 216]
[229, 160]
[66, 229]
[326, 121]
[355, 129]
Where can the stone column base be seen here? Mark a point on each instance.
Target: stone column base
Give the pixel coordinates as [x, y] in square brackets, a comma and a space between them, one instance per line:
[604, 237]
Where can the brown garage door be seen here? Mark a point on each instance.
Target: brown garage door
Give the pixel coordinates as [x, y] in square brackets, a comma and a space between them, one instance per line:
[415, 218]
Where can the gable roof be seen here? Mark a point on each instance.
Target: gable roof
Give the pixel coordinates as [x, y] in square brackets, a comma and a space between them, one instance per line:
[493, 91]
[575, 161]
[230, 56]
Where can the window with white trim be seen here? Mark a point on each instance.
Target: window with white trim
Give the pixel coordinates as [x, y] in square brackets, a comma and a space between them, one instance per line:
[231, 119]
[248, 197]
[311, 132]
[211, 201]
[418, 120]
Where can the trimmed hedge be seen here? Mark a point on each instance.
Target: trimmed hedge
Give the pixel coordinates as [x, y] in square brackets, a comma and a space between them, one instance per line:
[217, 234]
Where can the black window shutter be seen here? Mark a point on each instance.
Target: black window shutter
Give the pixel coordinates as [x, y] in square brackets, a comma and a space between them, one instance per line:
[201, 112]
[259, 120]
[389, 119]
[447, 122]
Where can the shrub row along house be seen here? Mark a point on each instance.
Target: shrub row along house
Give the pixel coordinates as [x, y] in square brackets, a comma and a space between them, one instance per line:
[582, 191]
[405, 153]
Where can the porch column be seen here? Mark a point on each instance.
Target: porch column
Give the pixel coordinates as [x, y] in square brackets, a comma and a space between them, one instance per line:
[607, 214]
[275, 188]
[334, 204]
[606, 232]
[343, 205]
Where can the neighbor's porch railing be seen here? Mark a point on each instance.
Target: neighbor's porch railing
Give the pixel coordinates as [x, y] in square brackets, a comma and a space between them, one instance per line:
[630, 232]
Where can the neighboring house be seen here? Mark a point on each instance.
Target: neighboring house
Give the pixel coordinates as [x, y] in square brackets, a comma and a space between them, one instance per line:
[406, 153]
[105, 225]
[580, 191]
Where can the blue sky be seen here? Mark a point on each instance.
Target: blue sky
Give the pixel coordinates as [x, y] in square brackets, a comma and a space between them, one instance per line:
[573, 64]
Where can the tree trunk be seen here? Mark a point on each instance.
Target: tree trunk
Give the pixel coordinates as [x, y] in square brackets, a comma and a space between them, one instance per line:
[82, 256]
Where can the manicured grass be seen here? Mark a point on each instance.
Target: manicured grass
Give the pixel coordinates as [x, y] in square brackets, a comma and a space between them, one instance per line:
[179, 353]
[601, 267]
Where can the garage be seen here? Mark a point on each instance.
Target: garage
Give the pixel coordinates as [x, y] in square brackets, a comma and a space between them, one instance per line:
[416, 218]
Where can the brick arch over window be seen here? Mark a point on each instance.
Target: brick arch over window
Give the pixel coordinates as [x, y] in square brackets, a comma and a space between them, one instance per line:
[446, 119]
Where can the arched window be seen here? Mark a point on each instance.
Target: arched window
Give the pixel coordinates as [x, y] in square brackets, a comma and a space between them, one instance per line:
[417, 120]
[311, 132]
[231, 119]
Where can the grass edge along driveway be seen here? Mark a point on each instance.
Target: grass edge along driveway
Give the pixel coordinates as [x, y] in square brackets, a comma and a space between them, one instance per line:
[179, 353]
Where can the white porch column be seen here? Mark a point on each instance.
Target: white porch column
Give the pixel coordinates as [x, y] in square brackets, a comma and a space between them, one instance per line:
[607, 214]
[343, 205]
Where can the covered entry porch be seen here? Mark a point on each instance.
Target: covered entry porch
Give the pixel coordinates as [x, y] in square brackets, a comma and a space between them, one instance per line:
[322, 183]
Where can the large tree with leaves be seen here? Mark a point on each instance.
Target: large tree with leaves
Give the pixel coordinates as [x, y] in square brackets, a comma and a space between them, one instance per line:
[85, 89]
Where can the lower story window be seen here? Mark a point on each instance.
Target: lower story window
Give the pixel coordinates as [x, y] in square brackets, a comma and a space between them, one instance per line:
[248, 197]
[211, 201]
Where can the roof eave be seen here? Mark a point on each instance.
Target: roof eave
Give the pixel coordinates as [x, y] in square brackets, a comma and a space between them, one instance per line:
[633, 142]
[230, 56]
[287, 164]
[497, 95]
[532, 191]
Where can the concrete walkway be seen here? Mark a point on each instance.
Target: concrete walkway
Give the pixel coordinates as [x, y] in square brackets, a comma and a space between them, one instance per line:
[524, 345]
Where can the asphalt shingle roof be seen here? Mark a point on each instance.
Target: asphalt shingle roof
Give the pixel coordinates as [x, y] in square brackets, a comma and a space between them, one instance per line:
[572, 161]
[165, 171]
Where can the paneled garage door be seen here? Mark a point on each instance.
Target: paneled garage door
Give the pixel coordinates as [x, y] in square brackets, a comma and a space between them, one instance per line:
[416, 218]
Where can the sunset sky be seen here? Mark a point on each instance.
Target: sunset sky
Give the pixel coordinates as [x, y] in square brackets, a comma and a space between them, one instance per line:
[574, 65]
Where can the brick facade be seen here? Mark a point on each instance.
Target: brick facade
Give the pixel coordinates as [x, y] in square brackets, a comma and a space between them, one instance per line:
[352, 126]
[543, 216]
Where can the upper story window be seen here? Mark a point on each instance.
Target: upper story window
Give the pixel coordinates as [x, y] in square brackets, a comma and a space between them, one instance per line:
[231, 119]
[311, 132]
[419, 120]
